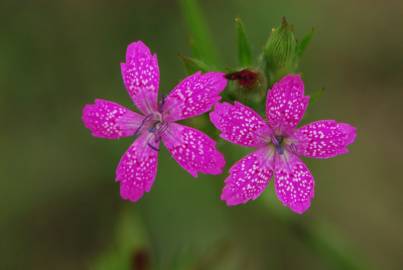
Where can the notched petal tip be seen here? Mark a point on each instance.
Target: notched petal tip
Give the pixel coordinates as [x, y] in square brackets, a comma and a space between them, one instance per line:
[291, 80]
[300, 208]
[87, 111]
[137, 47]
[247, 180]
[294, 183]
[230, 199]
[239, 124]
[324, 139]
[286, 102]
[128, 195]
[109, 120]
[349, 131]
[307, 99]
[85, 114]
[220, 161]
[137, 169]
[123, 69]
[219, 109]
[140, 74]
[218, 78]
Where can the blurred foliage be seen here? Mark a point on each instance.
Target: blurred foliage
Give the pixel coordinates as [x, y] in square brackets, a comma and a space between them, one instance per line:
[60, 207]
[282, 54]
[130, 248]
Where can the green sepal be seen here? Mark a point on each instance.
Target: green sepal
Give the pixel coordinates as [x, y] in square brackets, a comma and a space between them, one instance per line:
[244, 48]
[305, 41]
[280, 52]
[192, 64]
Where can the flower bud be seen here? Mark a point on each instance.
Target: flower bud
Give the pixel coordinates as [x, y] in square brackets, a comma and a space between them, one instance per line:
[280, 52]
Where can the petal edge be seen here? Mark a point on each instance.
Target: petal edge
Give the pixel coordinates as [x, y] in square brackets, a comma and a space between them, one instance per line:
[324, 139]
[193, 150]
[286, 103]
[239, 124]
[194, 95]
[248, 178]
[294, 183]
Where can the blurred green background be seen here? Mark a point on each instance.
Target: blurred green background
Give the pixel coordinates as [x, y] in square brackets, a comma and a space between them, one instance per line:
[59, 203]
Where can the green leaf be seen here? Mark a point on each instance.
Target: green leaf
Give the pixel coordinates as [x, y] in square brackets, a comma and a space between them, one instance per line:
[244, 50]
[192, 64]
[200, 36]
[305, 42]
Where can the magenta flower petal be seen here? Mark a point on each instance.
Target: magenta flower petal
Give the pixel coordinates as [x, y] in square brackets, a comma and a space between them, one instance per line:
[293, 182]
[141, 76]
[240, 124]
[137, 169]
[279, 145]
[324, 139]
[193, 150]
[195, 95]
[248, 178]
[107, 119]
[286, 103]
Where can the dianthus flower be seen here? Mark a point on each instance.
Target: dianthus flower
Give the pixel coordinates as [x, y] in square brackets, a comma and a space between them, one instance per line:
[191, 148]
[279, 144]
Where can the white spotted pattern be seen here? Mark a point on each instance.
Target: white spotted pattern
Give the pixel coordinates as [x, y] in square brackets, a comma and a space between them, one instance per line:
[286, 103]
[107, 119]
[324, 139]
[141, 76]
[193, 150]
[294, 182]
[137, 169]
[194, 96]
[248, 178]
[240, 124]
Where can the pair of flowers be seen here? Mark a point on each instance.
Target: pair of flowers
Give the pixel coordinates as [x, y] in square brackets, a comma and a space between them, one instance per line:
[277, 142]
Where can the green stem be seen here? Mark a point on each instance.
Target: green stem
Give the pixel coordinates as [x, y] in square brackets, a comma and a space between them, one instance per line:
[201, 39]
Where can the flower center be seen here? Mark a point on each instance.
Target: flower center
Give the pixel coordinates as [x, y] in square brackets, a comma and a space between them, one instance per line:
[279, 144]
[154, 124]
[284, 143]
[157, 127]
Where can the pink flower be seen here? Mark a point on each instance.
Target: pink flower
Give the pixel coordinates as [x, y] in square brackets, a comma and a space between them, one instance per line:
[192, 149]
[279, 144]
